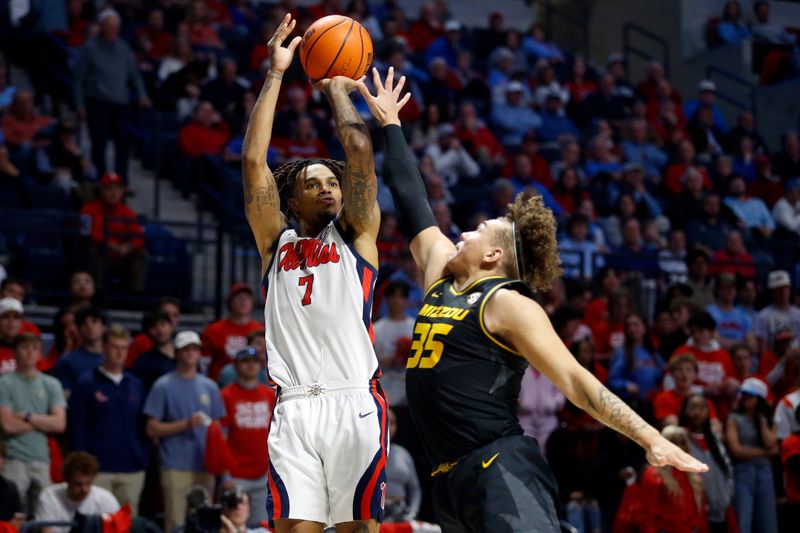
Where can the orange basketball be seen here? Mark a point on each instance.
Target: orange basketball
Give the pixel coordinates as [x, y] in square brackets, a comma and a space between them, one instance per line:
[335, 46]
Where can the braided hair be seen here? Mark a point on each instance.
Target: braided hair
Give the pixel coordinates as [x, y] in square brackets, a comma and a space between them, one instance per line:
[286, 175]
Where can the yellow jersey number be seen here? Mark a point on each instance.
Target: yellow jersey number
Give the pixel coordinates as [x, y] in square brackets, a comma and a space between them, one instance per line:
[425, 341]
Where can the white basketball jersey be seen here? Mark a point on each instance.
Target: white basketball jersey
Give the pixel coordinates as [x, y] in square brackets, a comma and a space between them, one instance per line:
[318, 310]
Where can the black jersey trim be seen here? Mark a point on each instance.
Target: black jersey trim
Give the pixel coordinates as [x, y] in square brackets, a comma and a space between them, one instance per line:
[471, 285]
[485, 330]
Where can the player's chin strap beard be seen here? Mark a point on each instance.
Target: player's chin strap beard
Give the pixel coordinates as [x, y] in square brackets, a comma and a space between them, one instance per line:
[518, 251]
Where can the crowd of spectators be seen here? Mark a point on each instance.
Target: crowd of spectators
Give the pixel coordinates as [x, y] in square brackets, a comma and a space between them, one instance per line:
[677, 230]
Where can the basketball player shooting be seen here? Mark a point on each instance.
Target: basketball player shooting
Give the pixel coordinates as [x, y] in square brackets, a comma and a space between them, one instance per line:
[476, 333]
[328, 438]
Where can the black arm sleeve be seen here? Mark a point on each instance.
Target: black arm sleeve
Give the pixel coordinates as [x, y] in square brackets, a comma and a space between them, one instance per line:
[402, 176]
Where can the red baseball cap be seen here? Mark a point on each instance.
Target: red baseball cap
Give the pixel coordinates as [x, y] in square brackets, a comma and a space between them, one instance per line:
[236, 288]
[110, 178]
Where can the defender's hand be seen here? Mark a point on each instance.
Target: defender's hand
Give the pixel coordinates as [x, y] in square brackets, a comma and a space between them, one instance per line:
[281, 58]
[662, 452]
[386, 104]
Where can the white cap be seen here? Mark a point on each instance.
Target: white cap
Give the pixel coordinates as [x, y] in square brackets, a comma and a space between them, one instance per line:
[8, 305]
[452, 25]
[754, 387]
[778, 278]
[515, 86]
[707, 85]
[186, 338]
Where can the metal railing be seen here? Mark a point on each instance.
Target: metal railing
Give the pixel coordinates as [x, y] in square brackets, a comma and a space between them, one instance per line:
[631, 32]
[749, 100]
[580, 21]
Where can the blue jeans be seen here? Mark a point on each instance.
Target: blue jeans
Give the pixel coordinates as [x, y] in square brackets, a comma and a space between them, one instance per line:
[754, 498]
[584, 516]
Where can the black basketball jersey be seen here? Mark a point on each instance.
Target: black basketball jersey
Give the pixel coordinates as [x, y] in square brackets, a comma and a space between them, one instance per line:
[462, 382]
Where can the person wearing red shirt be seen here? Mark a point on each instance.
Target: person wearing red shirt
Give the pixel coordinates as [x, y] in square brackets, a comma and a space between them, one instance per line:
[21, 122]
[11, 314]
[667, 404]
[152, 38]
[304, 144]
[116, 235]
[224, 338]
[77, 26]
[475, 135]
[675, 172]
[249, 406]
[733, 259]
[672, 500]
[715, 371]
[205, 134]
[15, 288]
[426, 29]
[142, 342]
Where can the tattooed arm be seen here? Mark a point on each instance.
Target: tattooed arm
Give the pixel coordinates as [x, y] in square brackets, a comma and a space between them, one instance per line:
[360, 212]
[522, 322]
[262, 202]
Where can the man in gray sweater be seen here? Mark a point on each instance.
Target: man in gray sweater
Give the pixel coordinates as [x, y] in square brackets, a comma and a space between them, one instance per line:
[103, 74]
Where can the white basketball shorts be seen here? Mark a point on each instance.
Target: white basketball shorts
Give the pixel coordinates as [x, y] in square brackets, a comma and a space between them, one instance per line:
[327, 453]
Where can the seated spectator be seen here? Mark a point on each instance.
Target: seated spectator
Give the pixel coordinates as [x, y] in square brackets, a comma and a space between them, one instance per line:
[672, 500]
[31, 406]
[634, 253]
[152, 39]
[580, 257]
[705, 444]
[426, 29]
[555, 123]
[604, 103]
[22, 121]
[568, 190]
[667, 404]
[747, 367]
[226, 89]
[223, 339]
[403, 492]
[179, 57]
[767, 185]
[680, 311]
[160, 358]
[81, 290]
[744, 160]
[546, 84]
[676, 173]
[450, 158]
[716, 374]
[752, 211]
[16, 288]
[502, 193]
[11, 313]
[706, 96]
[304, 142]
[540, 165]
[524, 179]
[706, 137]
[77, 494]
[633, 182]
[785, 418]
[477, 137]
[105, 409]
[91, 323]
[513, 119]
[249, 405]
[638, 150]
[580, 84]
[707, 232]
[536, 46]
[750, 435]
[601, 158]
[257, 341]
[500, 70]
[117, 242]
[635, 370]
[733, 259]
[202, 33]
[648, 89]
[779, 312]
[437, 89]
[178, 408]
[734, 325]
[731, 28]
[786, 163]
[745, 127]
[665, 115]
[205, 134]
[11, 509]
[66, 159]
[768, 32]
[143, 342]
[447, 46]
[672, 259]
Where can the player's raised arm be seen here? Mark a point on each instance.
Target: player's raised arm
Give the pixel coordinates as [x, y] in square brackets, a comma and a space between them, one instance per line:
[262, 203]
[429, 245]
[360, 212]
[523, 322]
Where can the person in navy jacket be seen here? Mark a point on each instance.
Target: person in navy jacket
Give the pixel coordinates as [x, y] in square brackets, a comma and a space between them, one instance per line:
[105, 418]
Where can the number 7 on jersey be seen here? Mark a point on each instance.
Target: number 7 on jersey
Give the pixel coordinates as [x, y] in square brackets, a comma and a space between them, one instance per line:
[308, 281]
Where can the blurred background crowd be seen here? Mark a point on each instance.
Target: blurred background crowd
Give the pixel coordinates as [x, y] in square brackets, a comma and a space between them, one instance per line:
[678, 221]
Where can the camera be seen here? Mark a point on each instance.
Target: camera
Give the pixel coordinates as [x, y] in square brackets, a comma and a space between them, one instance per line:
[231, 498]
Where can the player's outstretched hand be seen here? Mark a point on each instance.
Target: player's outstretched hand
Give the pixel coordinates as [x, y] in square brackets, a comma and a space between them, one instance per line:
[662, 453]
[386, 104]
[281, 58]
[337, 83]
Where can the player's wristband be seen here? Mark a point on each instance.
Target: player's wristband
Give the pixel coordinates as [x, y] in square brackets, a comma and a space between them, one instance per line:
[401, 175]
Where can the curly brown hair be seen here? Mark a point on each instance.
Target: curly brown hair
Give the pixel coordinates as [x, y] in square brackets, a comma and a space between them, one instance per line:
[536, 234]
[286, 175]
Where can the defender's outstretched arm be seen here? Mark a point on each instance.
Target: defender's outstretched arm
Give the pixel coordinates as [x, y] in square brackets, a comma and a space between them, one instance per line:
[430, 247]
[262, 202]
